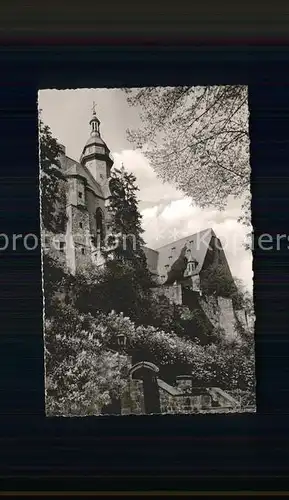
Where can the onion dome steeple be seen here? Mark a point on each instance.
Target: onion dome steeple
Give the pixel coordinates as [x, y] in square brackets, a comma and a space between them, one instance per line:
[94, 122]
[96, 155]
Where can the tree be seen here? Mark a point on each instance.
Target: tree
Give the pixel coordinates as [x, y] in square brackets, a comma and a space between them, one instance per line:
[242, 298]
[197, 138]
[126, 218]
[117, 286]
[216, 280]
[82, 374]
[57, 280]
[129, 267]
[52, 183]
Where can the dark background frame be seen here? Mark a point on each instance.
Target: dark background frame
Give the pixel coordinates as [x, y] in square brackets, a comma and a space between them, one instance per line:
[230, 452]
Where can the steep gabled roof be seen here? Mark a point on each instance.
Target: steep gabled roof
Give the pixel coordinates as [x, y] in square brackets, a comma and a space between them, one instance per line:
[198, 245]
[72, 168]
[152, 259]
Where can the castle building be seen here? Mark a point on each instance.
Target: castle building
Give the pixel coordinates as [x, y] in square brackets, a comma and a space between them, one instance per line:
[87, 199]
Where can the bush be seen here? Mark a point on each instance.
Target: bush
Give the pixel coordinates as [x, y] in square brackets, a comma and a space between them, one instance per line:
[216, 280]
[81, 375]
[124, 288]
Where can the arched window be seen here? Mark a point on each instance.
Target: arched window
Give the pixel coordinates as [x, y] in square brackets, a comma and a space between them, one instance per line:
[99, 225]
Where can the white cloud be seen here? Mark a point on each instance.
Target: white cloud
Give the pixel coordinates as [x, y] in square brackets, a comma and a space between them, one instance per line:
[152, 189]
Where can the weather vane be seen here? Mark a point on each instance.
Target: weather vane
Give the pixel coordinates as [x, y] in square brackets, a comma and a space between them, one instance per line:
[93, 107]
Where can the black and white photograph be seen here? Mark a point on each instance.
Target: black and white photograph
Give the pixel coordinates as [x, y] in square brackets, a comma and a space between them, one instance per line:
[146, 251]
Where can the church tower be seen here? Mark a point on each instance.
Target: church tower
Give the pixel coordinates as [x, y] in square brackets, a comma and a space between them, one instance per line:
[88, 199]
[96, 156]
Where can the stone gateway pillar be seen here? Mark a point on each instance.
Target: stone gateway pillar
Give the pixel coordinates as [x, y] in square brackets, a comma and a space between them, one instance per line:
[142, 395]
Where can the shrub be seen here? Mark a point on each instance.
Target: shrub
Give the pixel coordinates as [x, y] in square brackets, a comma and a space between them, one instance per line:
[81, 375]
[83, 372]
[216, 280]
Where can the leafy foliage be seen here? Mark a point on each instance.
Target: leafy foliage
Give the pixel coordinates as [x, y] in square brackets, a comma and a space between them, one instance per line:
[52, 182]
[215, 280]
[124, 288]
[83, 372]
[125, 218]
[81, 375]
[196, 325]
[197, 138]
[243, 299]
[117, 286]
[56, 280]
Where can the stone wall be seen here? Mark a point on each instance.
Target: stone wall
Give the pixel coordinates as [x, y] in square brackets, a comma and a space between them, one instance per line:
[170, 404]
[184, 404]
[132, 401]
[182, 399]
[227, 319]
[78, 250]
[176, 400]
[220, 312]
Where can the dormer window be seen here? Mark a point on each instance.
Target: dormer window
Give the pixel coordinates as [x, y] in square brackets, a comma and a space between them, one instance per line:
[191, 267]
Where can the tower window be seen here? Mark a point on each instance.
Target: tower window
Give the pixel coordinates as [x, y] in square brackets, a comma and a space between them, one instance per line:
[82, 251]
[80, 225]
[61, 246]
[80, 194]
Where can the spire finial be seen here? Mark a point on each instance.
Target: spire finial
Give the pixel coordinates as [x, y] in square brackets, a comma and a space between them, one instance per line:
[93, 107]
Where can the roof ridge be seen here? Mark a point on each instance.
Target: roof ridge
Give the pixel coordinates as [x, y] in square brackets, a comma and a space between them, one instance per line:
[85, 173]
[186, 237]
[69, 157]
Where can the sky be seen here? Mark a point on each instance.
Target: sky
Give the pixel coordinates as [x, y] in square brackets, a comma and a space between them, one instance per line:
[167, 213]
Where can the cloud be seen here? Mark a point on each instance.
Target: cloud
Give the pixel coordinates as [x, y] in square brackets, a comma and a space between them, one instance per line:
[152, 189]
